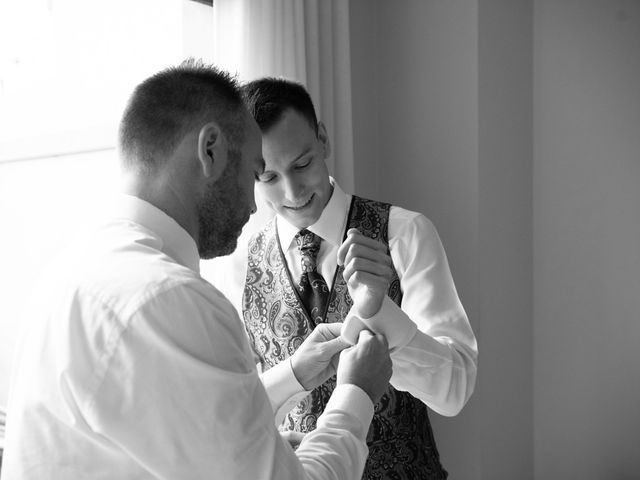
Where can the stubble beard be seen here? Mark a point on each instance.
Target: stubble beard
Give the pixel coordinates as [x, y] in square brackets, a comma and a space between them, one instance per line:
[220, 222]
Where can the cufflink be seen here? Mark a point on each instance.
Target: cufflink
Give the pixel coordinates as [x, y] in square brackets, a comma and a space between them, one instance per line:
[351, 328]
[398, 334]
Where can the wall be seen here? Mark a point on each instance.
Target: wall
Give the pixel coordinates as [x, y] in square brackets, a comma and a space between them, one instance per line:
[516, 127]
[428, 152]
[587, 239]
[442, 124]
[505, 237]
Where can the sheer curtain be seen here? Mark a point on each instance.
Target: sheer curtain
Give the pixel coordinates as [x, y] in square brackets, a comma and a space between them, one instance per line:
[303, 40]
[67, 68]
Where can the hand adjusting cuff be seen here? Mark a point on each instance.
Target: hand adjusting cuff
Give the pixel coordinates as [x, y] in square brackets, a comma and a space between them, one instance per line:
[397, 330]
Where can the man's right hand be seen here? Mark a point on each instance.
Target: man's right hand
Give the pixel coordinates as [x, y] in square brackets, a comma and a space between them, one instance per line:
[367, 364]
[313, 362]
[368, 271]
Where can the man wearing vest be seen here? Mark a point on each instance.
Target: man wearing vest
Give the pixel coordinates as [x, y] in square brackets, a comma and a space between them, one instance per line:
[326, 250]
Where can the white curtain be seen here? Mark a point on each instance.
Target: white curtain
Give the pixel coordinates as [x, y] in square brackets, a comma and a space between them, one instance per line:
[303, 40]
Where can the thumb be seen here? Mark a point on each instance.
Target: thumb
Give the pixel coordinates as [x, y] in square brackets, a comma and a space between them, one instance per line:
[335, 345]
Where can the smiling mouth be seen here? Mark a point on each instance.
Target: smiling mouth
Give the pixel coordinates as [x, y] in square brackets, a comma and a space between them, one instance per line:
[301, 206]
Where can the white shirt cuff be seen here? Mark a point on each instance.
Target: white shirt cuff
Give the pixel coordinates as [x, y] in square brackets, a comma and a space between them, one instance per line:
[352, 400]
[283, 389]
[390, 321]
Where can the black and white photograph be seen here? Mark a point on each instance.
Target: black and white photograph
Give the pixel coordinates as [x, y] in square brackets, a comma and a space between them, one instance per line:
[320, 239]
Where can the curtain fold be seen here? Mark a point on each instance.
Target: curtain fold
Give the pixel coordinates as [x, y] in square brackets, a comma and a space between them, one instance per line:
[303, 40]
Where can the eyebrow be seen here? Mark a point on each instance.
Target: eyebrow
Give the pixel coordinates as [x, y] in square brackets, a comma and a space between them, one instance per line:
[304, 152]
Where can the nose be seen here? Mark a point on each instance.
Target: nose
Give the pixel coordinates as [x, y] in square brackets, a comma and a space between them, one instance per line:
[291, 189]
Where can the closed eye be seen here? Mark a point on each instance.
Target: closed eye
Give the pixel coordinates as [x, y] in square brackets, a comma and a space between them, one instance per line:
[304, 164]
[266, 177]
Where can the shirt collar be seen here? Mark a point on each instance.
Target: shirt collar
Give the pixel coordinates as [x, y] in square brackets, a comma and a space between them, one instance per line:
[330, 225]
[176, 242]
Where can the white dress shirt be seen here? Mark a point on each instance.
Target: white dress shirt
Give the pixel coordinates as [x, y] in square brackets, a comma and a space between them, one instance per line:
[434, 350]
[134, 367]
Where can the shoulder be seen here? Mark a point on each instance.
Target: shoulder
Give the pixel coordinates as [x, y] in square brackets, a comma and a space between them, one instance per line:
[411, 230]
[120, 271]
[157, 300]
[402, 220]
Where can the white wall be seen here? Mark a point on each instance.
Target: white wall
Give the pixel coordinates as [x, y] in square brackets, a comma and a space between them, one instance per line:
[505, 243]
[587, 239]
[515, 126]
[427, 149]
[442, 125]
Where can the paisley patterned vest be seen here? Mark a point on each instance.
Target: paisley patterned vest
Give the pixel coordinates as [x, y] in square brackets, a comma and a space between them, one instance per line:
[400, 439]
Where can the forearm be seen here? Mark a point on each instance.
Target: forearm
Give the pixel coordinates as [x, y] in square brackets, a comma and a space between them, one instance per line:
[283, 389]
[337, 447]
[440, 371]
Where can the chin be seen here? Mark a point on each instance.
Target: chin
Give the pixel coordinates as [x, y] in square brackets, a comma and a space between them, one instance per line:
[300, 220]
[221, 249]
[228, 248]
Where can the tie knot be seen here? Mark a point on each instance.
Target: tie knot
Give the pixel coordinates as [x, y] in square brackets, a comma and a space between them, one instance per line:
[309, 245]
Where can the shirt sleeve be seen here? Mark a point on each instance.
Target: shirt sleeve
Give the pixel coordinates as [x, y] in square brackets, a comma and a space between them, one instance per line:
[182, 397]
[433, 348]
[283, 389]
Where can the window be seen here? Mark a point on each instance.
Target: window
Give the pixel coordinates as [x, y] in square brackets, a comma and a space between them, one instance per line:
[66, 70]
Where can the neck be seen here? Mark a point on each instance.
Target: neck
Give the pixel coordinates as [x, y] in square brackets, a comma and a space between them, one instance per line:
[164, 196]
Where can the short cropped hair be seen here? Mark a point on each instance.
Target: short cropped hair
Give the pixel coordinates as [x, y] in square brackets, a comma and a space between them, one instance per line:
[166, 106]
[268, 98]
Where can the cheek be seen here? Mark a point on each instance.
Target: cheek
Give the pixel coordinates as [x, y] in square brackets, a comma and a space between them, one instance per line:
[317, 181]
[268, 194]
[308, 181]
[318, 176]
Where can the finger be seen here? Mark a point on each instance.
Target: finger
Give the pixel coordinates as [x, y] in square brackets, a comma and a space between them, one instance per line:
[290, 435]
[351, 247]
[365, 335]
[335, 362]
[383, 340]
[357, 250]
[329, 330]
[292, 438]
[334, 346]
[342, 251]
[361, 265]
[346, 350]
[355, 237]
[372, 283]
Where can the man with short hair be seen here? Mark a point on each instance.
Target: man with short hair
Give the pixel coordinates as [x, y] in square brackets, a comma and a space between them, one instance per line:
[133, 366]
[326, 251]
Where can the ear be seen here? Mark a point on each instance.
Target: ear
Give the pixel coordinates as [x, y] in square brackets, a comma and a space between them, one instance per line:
[324, 140]
[212, 150]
